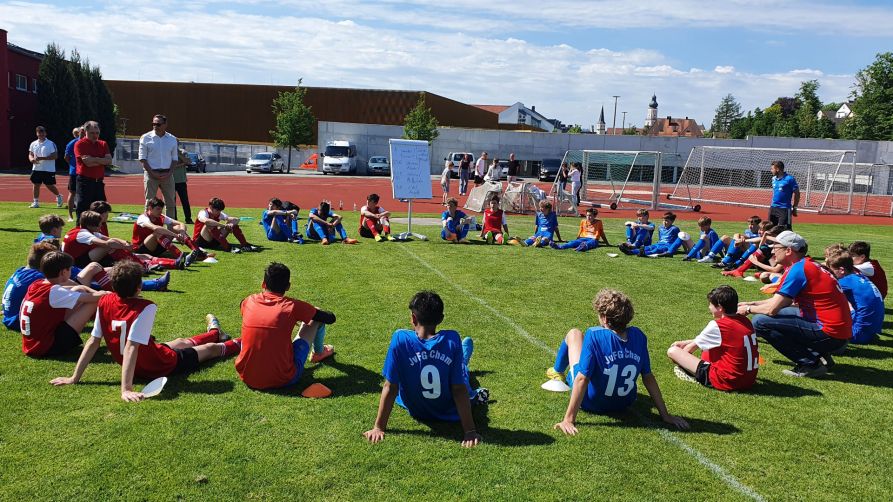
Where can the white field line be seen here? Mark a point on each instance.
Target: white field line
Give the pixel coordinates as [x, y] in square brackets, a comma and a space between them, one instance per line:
[666, 435]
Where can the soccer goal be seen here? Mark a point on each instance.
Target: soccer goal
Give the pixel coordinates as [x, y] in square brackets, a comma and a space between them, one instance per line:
[615, 179]
[830, 181]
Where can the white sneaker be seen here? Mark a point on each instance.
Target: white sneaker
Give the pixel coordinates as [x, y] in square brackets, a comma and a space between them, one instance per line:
[59, 200]
[34, 205]
[681, 374]
[706, 259]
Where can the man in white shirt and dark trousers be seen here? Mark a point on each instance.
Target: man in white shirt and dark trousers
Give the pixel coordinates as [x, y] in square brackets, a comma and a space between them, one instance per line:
[42, 154]
[158, 155]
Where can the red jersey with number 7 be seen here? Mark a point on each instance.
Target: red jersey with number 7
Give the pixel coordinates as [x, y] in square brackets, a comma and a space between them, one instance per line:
[121, 319]
[730, 346]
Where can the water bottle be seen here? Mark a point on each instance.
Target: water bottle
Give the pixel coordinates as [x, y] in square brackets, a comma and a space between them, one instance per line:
[354, 206]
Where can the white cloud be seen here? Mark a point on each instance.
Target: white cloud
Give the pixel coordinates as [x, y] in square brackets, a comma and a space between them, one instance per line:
[132, 41]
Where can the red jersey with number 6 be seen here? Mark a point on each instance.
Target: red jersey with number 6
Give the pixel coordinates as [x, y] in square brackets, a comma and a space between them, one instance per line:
[43, 310]
[121, 319]
[730, 346]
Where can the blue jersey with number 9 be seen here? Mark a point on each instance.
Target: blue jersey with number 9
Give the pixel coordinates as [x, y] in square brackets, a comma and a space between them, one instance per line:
[425, 370]
[612, 366]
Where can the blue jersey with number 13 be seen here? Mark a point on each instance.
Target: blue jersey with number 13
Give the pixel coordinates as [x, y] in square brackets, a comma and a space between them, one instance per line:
[613, 366]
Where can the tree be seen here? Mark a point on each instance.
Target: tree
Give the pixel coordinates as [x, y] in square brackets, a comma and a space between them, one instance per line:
[294, 120]
[58, 101]
[631, 130]
[727, 112]
[106, 111]
[575, 129]
[420, 123]
[80, 67]
[873, 101]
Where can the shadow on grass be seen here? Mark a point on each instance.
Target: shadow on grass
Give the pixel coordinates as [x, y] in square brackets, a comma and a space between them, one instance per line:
[500, 437]
[178, 384]
[354, 380]
[779, 389]
[650, 419]
[18, 230]
[866, 352]
[861, 375]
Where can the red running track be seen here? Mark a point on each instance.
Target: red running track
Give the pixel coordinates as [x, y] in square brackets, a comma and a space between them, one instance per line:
[306, 190]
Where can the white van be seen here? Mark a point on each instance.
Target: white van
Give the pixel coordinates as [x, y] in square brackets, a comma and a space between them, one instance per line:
[456, 158]
[339, 157]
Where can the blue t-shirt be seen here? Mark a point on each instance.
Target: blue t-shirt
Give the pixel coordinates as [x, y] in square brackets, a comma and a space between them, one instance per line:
[712, 237]
[667, 235]
[44, 237]
[612, 367]
[868, 305]
[72, 162]
[267, 220]
[424, 371]
[783, 190]
[749, 234]
[14, 292]
[459, 215]
[546, 223]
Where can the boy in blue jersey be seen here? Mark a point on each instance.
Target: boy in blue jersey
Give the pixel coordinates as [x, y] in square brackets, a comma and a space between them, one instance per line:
[639, 232]
[707, 240]
[50, 228]
[78, 133]
[866, 303]
[740, 246]
[668, 240]
[325, 226]
[546, 227]
[426, 372]
[278, 222]
[454, 223]
[605, 363]
[785, 196]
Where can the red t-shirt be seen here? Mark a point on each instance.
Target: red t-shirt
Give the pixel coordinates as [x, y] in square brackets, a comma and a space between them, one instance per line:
[119, 319]
[879, 278]
[199, 224]
[43, 310]
[729, 344]
[493, 220]
[267, 357]
[99, 148]
[78, 242]
[140, 232]
[819, 297]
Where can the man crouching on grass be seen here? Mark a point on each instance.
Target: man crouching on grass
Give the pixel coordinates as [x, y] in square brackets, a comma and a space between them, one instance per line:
[426, 372]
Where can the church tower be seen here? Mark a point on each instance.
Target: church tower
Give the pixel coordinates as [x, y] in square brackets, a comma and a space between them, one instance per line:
[651, 117]
[601, 122]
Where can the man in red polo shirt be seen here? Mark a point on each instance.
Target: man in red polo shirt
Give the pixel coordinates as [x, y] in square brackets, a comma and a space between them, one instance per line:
[92, 155]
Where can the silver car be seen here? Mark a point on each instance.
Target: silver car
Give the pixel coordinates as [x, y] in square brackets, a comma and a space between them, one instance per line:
[266, 162]
[379, 165]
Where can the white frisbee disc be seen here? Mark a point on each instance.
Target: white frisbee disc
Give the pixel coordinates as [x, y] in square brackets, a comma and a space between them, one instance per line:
[555, 386]
[210, 259]
[750, 278]
[612, 255]
[154, 387]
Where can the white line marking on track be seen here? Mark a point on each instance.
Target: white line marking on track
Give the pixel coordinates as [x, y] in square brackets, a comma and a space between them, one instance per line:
[666, 435]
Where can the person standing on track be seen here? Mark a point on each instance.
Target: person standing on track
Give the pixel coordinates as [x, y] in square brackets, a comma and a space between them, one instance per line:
[158, 155]
[42, 155]
[785, 196]
[92, 155]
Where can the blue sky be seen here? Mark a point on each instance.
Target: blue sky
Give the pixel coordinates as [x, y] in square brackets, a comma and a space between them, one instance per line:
[566, 57]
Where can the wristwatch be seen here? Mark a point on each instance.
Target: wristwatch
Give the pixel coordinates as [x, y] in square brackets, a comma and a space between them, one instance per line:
[747, 310]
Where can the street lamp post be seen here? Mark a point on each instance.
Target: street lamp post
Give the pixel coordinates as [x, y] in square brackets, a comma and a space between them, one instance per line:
[624, 121]
[614, 124]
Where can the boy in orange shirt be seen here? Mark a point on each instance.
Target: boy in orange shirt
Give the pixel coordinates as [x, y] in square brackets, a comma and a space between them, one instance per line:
[269, 357]
[591, 232]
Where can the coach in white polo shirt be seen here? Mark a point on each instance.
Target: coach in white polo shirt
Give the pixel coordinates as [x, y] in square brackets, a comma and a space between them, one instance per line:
[42, 155]
[158, 155]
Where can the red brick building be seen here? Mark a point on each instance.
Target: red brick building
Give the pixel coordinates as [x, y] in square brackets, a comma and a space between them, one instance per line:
[18, 103]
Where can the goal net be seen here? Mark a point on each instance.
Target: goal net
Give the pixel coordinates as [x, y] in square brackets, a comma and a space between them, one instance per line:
[480, 195]
[521, 197]
[829, 180]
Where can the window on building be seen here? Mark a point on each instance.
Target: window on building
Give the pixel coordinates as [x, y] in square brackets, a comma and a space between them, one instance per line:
[21, 82]
[34, 85]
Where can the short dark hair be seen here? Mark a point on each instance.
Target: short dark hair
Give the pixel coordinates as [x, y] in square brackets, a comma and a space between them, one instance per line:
[48, 222]
[373, 197]
[670, 215]
[100, 206]
[724, 297]
[861, 248]
[216, 203]
[779, 164]
[90, 219]
[154, 202]
[325, 207]
[290, 206]
[38, 251]
[592, 211]
[427, 307]
[53, 263]
[276, 202]
[127, 278]
[754, 220]
[277, 278]
[494, 198]
[160, 117]
[705, 220]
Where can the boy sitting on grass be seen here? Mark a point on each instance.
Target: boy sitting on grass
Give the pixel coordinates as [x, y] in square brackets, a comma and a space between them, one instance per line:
[866, 303]
[426, 372]
[50, 227]
[125, 321]
[154, 234]
[861, 253]
[668, 240]
[729, 353]
[213, 226]
[278, 222]
[495, 226]
[55, 309]
[454, 223]
[375, 220]
[325, 226]
[707, 240]
[605, 363]
[270, 358]
[591, 233]
[546, 227]
[639, 232]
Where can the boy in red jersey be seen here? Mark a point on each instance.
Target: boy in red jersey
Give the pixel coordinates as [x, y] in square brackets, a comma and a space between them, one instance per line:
[55, 309]
[149, 261]
[152, 237]
[495, 227]
[213, 226]
[861, 253]
[270, 358]
[85, 242]
[125, 321]
[729, 353]
[374, 220]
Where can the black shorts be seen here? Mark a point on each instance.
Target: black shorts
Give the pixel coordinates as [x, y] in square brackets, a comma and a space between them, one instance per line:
[72, 183]
[202, 243]
[702, 374]
[45, 177]
[65, 340]
[144, 250]
[781, 216]
[187, 360]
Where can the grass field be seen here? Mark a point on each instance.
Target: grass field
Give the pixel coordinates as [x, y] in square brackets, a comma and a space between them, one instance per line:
[210, 437]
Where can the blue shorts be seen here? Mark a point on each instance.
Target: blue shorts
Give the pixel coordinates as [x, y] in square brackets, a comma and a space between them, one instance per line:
[302, 351]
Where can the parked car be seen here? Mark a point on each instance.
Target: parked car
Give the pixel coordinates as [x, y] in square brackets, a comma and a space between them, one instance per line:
[266, 162]
[549, 169]
[196, 163]
[311, 162]
[378, 165]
